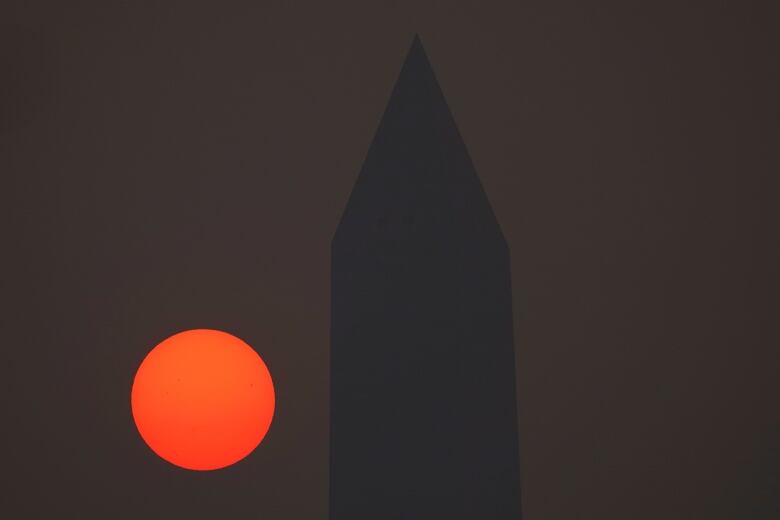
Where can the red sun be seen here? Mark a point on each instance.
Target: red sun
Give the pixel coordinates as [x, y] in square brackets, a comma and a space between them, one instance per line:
[202, 399]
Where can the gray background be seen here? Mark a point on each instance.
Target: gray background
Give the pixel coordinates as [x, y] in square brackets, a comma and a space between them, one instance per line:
[176, 165]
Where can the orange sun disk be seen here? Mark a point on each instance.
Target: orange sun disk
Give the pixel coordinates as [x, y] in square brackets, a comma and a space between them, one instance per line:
[202, 399]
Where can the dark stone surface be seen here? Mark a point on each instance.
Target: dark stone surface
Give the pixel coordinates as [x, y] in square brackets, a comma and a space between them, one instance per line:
[423, 407]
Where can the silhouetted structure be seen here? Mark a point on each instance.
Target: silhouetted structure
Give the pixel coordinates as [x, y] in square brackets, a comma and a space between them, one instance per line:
[423, 413]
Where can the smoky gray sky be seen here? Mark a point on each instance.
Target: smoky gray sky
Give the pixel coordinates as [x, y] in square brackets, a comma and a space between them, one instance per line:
[179, 165]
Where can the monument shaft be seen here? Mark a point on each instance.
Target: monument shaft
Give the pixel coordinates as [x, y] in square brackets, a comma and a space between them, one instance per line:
[423, 406]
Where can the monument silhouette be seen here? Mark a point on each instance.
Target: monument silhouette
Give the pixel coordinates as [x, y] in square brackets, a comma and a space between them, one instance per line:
[423, 406]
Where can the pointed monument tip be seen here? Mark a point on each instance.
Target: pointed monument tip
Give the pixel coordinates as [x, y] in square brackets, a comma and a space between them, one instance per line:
[417, 45]
[416, 147]
[417, 53]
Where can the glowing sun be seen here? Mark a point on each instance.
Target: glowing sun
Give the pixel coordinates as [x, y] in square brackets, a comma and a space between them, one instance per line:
[202, 399]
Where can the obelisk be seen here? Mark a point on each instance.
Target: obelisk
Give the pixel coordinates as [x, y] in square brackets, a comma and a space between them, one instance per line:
[423, 406]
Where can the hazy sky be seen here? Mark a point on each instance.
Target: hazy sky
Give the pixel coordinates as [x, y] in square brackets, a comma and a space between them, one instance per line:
[178, 166]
